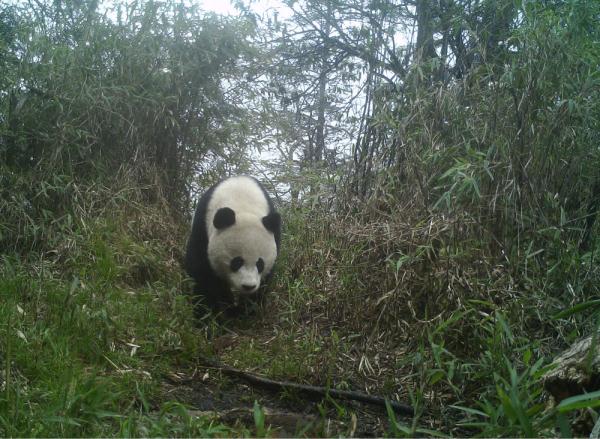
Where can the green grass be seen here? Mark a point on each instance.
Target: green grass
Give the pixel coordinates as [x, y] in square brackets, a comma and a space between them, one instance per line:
[94, 319]
[445, 329]
[88, 339]
[78, 354]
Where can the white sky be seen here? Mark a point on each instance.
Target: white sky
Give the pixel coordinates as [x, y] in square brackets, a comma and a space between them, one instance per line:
[225, 7]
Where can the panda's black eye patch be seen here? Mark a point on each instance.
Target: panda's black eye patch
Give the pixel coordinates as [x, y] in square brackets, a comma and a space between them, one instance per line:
[260, 265]
[236, 263]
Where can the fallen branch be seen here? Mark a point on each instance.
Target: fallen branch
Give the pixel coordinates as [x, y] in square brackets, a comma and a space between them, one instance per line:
[307, 389]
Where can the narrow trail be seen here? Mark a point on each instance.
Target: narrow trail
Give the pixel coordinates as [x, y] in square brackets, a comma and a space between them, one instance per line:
[208, 391]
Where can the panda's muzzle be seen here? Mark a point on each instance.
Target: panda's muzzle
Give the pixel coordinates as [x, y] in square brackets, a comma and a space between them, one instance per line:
[248, 288]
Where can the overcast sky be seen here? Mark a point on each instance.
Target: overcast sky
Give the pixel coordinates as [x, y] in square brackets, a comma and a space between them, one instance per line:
[225, 7]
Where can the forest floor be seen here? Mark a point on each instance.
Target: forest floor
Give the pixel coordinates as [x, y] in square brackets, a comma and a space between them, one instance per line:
[99, 339]
[209, 393]
[231, 400]
[98, 335]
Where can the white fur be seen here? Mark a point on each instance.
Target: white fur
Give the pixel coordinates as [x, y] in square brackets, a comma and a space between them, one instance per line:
[247, 238]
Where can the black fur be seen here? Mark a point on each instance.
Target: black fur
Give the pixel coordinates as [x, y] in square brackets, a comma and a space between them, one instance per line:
[225, 217]
[272, 223]
[208, 285]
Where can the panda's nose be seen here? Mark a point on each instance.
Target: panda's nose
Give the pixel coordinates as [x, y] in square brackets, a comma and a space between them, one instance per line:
[248, 287]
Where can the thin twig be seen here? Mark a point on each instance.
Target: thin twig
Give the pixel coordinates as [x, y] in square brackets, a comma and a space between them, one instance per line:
[308, 389]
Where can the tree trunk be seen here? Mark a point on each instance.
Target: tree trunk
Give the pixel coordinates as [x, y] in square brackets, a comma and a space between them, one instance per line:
[425, 46]
[322, 93]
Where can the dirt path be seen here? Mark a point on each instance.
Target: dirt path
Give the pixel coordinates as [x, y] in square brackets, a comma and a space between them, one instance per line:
[267, 345]
[231, 402]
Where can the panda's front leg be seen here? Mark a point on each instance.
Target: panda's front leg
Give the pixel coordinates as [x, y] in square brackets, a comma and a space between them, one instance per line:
[211, 293]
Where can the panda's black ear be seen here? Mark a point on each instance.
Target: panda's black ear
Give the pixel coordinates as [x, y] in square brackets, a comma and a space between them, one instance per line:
[225, 217]
[272, 222]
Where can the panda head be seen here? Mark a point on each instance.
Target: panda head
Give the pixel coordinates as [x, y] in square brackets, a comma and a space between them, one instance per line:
[242, 248]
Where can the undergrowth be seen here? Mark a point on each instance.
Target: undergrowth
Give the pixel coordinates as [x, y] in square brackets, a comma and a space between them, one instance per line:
[92, 311]
[403, 303]
[414, 305]
[446, 269]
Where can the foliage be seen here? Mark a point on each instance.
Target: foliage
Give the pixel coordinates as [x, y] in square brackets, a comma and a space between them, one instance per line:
[142, 85]
[74, 346]
[440, 192]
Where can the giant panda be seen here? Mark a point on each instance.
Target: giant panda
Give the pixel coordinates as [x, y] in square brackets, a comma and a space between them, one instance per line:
[233, 243]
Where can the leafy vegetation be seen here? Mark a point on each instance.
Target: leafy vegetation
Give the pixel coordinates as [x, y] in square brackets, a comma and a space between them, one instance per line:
[437, 166]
